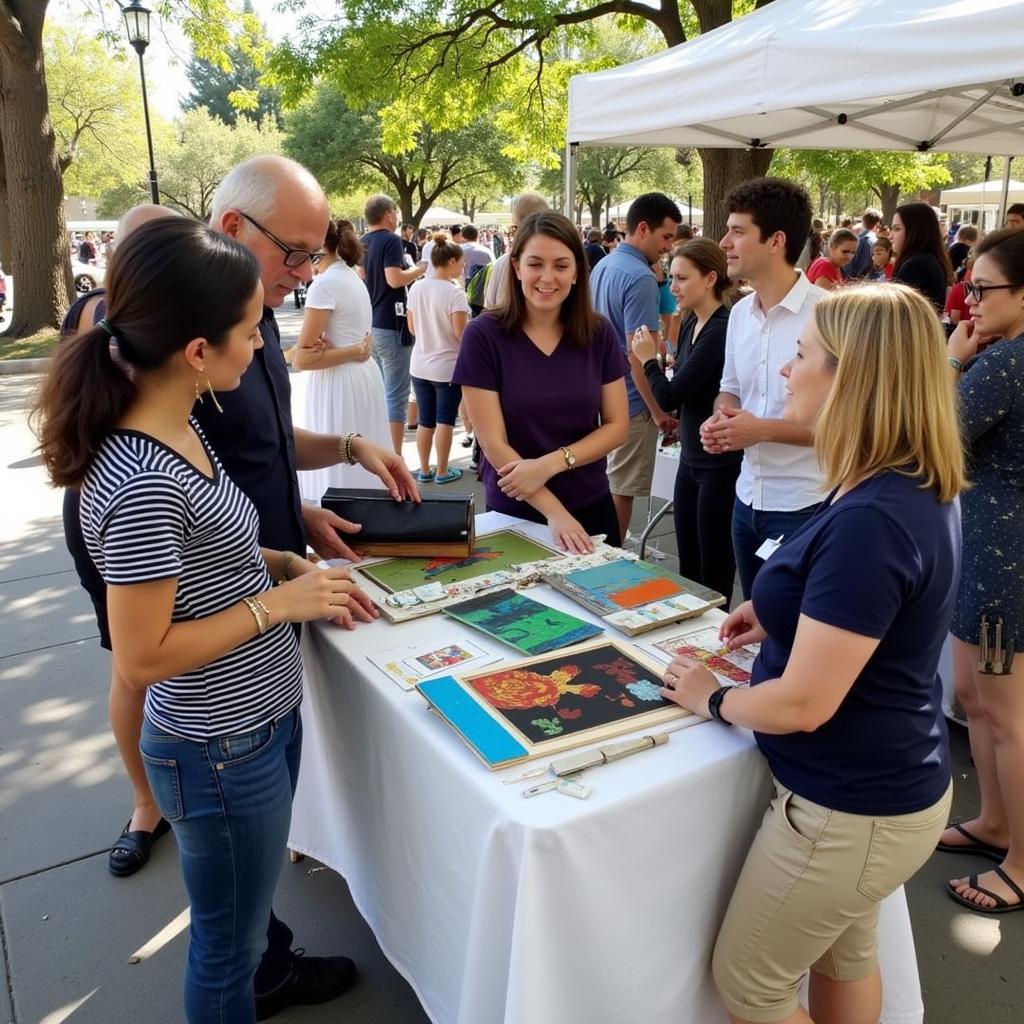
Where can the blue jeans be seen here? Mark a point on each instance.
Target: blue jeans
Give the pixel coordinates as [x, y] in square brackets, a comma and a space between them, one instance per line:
[437, 402]
[751, 528]
[229, 801]
[393, 359]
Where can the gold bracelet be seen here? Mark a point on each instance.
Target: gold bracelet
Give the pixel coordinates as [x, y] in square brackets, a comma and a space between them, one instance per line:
[345, 448]
[289, 557]
[264, 609]
[257, 608]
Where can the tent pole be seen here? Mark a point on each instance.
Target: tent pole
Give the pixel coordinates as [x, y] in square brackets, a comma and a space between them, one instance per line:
[1004, 194]
[569, 205]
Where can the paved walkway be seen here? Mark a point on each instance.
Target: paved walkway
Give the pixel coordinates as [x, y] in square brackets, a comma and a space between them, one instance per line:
[69, 929]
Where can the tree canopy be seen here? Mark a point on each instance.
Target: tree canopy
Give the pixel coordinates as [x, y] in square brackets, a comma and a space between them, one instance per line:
[348, 149]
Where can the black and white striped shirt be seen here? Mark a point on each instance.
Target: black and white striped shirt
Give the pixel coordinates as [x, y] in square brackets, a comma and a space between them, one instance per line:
[148, 514]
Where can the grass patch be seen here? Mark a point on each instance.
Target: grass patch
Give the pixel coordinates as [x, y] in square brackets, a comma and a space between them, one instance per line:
[35, 346]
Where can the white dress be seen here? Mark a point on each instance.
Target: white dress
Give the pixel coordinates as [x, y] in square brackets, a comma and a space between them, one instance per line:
[350, 396]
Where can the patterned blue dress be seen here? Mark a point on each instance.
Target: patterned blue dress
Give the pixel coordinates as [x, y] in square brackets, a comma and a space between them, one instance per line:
[992, 576]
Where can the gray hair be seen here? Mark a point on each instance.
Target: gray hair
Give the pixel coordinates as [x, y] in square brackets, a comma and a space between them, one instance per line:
[253, 186]
[378, 207]
[526, 205]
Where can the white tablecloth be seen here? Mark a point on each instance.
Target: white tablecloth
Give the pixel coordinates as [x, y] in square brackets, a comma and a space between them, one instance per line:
[503, 910]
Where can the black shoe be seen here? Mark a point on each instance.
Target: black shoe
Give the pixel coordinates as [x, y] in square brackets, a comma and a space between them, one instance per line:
[131, 851]
[467, 441]
[310, 979]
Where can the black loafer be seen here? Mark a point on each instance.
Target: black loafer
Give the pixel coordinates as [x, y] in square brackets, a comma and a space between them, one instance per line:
[132, 849]
[310, 980]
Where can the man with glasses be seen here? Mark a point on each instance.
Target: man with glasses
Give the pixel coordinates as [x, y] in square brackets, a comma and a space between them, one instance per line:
[386, 280]
[278, 211]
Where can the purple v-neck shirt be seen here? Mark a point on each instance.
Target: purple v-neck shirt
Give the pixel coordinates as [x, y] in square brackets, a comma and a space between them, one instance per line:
[548, 402]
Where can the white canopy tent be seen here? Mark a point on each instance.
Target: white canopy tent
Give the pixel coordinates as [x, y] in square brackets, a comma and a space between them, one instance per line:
[980, 204]
[927, 75]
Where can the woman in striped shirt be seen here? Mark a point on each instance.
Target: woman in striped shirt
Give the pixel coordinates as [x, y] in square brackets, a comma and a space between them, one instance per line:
[195, 616]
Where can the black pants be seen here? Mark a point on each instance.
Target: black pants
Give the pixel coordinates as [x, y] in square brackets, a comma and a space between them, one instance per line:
[597, 517]
[702, 504]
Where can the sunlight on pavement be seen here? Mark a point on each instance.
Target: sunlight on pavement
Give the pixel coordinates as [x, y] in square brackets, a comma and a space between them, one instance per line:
[166, 934]
[975, 934]
[61, 1015]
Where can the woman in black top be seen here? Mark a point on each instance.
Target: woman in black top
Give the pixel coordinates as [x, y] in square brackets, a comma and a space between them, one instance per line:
[921, 258]
[705, 484]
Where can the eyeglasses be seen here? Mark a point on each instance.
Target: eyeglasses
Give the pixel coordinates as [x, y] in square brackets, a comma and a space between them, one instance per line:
[977, 291]
[292, 257]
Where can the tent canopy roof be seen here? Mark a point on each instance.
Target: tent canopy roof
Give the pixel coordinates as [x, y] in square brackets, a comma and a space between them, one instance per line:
[944, 75]
[984, 192]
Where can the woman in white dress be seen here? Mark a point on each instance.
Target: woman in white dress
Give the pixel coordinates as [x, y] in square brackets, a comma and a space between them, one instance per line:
[345, 391]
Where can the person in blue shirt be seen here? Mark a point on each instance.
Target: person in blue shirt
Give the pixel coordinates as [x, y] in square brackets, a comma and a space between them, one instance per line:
[845, 702]
[625, 291]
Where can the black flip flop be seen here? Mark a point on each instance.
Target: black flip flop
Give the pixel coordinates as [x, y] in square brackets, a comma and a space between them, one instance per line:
[134, 849]
[973, 845]
[1001, 907]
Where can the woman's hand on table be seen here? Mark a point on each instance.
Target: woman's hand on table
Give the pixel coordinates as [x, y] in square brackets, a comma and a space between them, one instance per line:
[569, 535]
[522, 478]
[741, 628]
[689, 683]
[644, 346]
[319, 594]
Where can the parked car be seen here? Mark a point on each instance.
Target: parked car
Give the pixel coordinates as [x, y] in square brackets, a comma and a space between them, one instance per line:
[86, 276]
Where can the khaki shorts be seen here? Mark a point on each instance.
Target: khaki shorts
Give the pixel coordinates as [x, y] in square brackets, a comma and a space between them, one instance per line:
[808, 897]
[631, 467]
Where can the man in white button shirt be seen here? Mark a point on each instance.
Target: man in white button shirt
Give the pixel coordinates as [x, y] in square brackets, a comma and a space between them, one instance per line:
[779, 485]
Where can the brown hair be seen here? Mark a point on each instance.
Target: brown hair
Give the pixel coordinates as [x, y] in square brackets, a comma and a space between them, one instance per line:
[445, 250]
[577, 315]
[86, 392]
[342, 238]
[922, 235]
[708, 256]
[1006, 249]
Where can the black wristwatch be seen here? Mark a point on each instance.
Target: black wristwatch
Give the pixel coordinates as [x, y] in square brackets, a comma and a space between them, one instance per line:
[715, 705]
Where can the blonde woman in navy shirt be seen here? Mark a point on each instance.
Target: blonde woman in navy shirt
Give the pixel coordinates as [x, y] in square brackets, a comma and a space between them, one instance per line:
[845, 703]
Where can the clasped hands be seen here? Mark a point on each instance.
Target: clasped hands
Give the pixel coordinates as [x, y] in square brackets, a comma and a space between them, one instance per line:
[689, 682]
[522, 478]
[730, 430]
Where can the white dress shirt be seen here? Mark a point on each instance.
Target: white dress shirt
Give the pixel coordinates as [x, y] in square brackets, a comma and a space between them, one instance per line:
[773, 477]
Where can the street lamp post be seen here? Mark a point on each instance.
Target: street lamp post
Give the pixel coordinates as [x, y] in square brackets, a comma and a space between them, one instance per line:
[136, 19]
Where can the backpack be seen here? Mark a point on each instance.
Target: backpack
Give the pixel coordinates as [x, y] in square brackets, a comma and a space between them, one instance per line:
[476, 286]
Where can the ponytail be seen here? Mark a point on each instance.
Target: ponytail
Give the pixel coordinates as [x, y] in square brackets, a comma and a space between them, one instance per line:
[82, 398]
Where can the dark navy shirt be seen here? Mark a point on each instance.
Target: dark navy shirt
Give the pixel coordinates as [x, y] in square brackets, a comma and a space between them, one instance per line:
[254, 440]
[882, 562]
[382, 249]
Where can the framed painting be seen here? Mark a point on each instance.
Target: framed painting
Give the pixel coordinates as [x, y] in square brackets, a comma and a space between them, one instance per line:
[492, 552]
[544, 705]
[529, 626]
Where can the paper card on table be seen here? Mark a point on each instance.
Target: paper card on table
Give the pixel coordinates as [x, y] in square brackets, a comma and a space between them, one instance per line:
[410, 664]
[704, 645]
[527, 625]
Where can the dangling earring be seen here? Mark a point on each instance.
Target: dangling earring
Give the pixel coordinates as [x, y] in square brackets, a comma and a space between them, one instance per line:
[213, 395]
[199, 397]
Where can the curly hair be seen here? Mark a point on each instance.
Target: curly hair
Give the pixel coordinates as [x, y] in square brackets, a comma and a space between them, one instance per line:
[775, 205]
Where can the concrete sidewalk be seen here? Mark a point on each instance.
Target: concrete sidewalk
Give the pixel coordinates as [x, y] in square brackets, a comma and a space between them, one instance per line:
[68, 928]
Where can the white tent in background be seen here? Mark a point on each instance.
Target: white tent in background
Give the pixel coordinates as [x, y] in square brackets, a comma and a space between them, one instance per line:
[441, 215]
[927, 75]
[694, 215]
[979, 204]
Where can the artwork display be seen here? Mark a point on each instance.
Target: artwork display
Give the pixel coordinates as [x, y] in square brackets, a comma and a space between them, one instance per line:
[634, 596]
[730, 667]
[493, 552]
[527, 625]
[544, 705]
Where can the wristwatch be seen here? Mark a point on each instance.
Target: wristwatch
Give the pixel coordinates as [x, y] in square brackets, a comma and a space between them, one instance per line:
[956, 364]
[570, 458]
[715, 704]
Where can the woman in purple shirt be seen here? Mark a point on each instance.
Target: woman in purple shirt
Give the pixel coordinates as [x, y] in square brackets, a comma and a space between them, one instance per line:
[543, 377]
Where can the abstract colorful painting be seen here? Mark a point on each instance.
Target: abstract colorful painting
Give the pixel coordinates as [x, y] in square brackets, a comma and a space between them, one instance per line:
[621, 584]
[581, 689]
[704, 645]
[492, 552]
[519, 621]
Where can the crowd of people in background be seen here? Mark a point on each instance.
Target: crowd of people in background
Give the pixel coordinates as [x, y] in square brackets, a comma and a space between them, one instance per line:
[817, 402]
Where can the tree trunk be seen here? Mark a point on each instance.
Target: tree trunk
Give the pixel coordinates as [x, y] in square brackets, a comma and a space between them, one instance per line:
[5, 227]
[596, 209]
[890, 196]
[35, 209]
[723, 170]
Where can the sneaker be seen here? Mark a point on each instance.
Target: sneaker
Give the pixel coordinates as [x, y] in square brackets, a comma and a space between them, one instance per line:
[310, 980]
[424, 478]
[453, 474]
[467, 441]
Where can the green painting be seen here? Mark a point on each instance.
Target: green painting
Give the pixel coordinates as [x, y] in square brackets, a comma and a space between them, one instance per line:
[492, 552]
